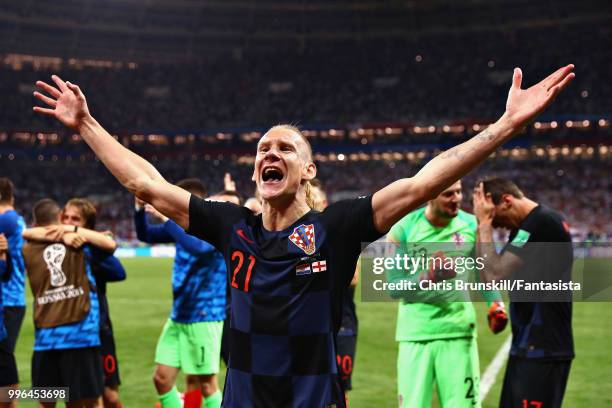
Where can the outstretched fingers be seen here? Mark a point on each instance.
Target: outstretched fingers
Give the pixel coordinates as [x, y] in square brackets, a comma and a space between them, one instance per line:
[51, 90]
[45, 99]
[60, 83]
[554, 91]
[74, 88]
[517, 78]
[44, 111]
[557, 76]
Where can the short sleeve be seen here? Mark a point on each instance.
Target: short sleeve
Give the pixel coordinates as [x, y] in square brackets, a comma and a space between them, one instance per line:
[518, 245]
[212, 221]
[9, 223]
[396, 233]
[353, 219]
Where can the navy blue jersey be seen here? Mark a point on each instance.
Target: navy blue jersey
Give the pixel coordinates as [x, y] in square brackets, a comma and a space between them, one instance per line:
[542, 330]
[287, 295]
[106, 268]
[198, 275]
[349, 315]
[12, 226]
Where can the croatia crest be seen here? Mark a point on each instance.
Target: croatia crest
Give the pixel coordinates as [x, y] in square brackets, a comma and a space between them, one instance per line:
[304, 238]
[459, 239]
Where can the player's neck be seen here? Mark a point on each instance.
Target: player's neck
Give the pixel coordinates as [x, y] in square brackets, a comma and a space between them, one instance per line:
[434, 219]
[524, 207]
[5, 207]
[279, 217]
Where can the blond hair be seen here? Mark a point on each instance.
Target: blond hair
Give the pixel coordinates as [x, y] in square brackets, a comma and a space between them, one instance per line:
[311, 199]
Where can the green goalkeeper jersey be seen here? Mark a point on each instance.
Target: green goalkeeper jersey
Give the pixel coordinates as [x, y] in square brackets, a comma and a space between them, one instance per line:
[437, 319]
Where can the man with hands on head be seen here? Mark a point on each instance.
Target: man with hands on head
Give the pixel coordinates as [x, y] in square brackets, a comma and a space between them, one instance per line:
[539, 248]
[269, 256]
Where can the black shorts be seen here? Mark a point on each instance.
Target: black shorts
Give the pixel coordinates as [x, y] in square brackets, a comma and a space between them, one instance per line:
[78, 369]
[534, 384]
[110, 363]
[346, 358]
[8, 367]
[13, 318]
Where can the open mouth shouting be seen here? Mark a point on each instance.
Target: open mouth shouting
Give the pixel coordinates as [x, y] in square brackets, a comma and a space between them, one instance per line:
[272, 175]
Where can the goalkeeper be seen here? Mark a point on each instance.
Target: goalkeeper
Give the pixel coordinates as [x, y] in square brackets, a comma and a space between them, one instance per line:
[436, 330]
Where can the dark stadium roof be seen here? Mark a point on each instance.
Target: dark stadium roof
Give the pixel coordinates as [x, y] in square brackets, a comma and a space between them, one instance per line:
[187, 29]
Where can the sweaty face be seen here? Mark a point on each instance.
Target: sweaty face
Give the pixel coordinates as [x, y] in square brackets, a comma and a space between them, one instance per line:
[72, 216]
[281, 164]
[448, 203]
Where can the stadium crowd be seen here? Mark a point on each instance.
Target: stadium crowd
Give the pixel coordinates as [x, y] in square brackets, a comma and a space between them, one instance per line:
[580, 188]
[372, 83]
[376, 108]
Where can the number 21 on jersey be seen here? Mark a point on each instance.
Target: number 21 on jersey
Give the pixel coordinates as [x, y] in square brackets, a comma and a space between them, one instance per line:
[242, 267]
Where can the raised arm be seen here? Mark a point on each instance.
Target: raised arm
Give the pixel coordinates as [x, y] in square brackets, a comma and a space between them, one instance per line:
[145, 232]
[523, 105]
[68, 105]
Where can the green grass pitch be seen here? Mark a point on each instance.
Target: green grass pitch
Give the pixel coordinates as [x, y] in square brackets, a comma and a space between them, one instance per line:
[140, 306]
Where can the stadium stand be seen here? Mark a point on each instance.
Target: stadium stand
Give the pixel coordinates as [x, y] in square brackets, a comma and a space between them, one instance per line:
[179, 84]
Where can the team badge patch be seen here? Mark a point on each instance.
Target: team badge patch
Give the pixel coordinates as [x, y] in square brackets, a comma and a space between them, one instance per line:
[304, 238]
[521, 238]
[458, 238]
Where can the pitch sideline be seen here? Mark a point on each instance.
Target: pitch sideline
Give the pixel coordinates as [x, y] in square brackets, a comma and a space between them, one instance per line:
[490, 374]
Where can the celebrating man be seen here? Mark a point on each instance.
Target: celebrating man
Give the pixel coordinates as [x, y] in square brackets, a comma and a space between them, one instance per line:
[289, 266]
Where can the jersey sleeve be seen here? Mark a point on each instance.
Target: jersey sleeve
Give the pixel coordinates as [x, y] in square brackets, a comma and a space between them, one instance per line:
[151, 234]
[353, 220]
[109, 268]
[9, 222]
[191, 244]
[212, 221]
[350, 224]
[395, 233]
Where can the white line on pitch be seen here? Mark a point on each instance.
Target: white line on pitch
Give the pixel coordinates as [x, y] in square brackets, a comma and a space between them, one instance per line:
[490, 374]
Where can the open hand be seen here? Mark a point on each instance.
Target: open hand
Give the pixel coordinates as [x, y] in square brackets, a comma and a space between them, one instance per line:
[524, 105]
[66, 102]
